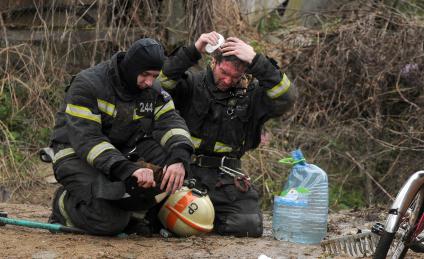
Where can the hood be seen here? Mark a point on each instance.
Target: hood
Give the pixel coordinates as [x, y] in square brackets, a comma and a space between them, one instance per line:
[145, 54]
[121, 89]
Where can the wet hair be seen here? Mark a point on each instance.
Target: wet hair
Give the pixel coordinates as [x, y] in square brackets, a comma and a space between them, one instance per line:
[238, 63]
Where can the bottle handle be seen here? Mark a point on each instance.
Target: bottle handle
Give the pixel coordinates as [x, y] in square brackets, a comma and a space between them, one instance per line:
[291, 161]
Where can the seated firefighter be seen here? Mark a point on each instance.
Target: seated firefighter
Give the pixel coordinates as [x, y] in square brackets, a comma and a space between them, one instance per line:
[225, 112]
[109, 110]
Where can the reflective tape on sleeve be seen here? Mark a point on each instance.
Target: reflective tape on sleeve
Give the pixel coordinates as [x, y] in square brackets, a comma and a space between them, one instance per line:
[160, 110]
[222, 148]
[196, 141]
[165, 82]
[106, 107]
[281, 88]
[63, 153]
[82, 112]
[97, 150]
[174, 132]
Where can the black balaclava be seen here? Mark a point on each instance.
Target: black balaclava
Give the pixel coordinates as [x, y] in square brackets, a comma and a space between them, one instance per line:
[144, 54]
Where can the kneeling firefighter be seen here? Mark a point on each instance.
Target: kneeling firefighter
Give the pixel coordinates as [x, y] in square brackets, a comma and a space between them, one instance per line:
[189, 211]
[108, 110]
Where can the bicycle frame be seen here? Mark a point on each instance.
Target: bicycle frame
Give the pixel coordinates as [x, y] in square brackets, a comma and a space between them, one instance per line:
[420, 226]
[402, 201]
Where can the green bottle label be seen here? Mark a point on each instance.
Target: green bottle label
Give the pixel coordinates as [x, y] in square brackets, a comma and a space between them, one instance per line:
[295, 197]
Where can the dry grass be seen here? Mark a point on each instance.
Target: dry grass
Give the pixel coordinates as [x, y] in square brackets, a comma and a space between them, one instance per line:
[360, 111]
[60, 41]
[360, 77]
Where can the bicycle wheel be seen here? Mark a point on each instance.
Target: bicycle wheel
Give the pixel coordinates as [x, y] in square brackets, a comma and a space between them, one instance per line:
[395, 245]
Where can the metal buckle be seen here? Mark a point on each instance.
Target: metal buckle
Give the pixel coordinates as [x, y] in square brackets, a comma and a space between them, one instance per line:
[222, 161]
[191, 183]
[231, 172]
[230, 111]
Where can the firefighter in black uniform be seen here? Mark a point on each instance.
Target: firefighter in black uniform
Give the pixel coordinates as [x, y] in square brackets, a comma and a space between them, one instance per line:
[110, 110]
[225, 112]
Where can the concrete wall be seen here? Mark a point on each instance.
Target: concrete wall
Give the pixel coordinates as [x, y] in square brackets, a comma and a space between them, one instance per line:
[296, 10]
[23, 13]
[253, 10]
[301, 12]
[16, 4]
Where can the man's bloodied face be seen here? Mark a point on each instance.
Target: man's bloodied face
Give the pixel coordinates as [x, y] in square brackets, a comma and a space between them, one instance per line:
[227, 75]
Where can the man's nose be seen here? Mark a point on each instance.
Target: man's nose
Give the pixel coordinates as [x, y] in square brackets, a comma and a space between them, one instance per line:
[227, 80]
[149, 81]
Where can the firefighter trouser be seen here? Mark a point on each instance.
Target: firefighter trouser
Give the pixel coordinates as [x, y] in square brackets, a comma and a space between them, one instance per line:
[95, 203]
[236, 213]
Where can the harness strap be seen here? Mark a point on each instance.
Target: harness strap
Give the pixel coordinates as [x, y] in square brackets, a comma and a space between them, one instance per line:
[215, 161]
[242, 183]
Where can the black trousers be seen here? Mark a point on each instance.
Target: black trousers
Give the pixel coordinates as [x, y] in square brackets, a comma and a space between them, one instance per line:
[236, 213]
[94, 202]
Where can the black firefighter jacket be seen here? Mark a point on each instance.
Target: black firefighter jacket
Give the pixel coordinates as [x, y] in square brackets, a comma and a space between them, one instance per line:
[100, 120]
[225, 123]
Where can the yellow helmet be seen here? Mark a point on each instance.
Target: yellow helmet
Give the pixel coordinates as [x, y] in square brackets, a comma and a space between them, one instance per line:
[187, 213]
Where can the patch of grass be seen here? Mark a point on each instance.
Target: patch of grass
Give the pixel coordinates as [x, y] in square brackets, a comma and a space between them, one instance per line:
[269, 23]
[346, 199]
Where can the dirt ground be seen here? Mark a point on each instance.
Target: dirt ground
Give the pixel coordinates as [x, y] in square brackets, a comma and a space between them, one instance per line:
[21, 242]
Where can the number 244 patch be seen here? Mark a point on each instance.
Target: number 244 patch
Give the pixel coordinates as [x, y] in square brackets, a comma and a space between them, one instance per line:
[145, 107]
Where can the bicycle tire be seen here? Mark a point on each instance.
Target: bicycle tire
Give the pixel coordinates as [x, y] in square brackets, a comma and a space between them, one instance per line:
[384, 244]
[398, 243]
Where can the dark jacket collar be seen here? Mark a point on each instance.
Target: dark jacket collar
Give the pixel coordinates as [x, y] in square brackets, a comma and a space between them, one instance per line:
[119, 85]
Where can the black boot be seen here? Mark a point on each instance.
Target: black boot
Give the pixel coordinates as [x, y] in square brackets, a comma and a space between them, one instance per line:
[141, 227]
[147, 225]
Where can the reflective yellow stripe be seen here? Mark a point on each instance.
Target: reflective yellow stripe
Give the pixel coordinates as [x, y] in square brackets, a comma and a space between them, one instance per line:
[174, 132]
[97, 150]
[281, 88]
[63, 153]
[137, 117]
[165, 82]
[82, 112]
[68, 221]
[169, 106]
[196, 141]
[221, 148]
[106, 107]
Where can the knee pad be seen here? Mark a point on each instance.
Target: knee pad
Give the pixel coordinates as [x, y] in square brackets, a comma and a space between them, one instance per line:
[239, 225]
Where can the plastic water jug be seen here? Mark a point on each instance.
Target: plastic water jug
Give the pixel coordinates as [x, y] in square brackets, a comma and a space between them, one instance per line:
[301, 210]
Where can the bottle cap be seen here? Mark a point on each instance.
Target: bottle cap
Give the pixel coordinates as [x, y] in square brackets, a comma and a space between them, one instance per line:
[298, 157]
[211, 48]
